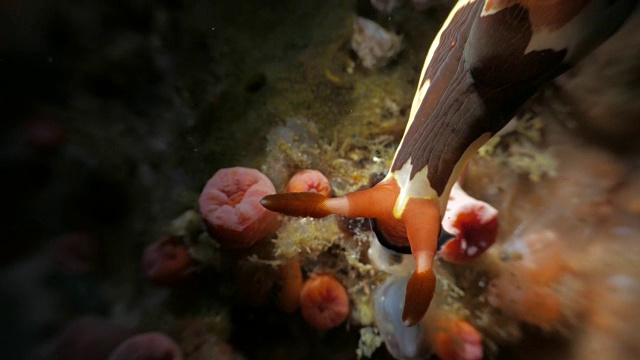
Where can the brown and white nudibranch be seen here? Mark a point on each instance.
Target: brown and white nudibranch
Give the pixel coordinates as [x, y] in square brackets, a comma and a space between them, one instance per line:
[487, 60]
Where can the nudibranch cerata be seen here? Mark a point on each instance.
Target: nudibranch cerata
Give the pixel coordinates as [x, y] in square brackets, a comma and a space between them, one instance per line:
[488, 58]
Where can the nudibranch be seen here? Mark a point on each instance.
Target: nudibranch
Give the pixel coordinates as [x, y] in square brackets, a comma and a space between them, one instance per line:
[488, 58]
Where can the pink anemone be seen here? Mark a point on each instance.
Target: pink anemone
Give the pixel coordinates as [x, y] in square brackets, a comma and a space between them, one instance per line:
[75, 253]
[166, 261]
[230, 207]
[88, 337]
[44, 133]
[147, 346]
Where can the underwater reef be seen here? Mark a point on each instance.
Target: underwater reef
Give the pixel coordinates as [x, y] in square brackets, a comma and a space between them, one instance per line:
[140, 139]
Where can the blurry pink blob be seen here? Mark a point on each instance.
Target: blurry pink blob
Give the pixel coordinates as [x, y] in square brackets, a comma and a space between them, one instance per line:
[456, 339]
[44, 133]
[230, 207]
[524, 289]
[474, 224]
[309, 181]
[89, 337]
[75, 253]
[517, 298]
[166, 261]
[147, 346]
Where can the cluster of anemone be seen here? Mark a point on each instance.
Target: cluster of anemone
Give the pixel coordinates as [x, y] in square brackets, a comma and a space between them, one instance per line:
[326, 298]
[232, 216]
[331, 272]
[229, 205]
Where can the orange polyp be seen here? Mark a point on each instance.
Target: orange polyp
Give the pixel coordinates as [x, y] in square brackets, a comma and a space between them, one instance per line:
[541, 307]
[518, 297]
[309, 181]
[291, 286]
[456, 339]
[324, 302]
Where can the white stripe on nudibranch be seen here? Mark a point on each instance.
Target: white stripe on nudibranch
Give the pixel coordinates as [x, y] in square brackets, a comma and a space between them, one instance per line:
[418, 187]
[417, 100]
[423, 86]
[490, 7]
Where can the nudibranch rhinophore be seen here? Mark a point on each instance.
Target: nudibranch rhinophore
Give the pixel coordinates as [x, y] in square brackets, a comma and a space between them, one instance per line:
[488, 58]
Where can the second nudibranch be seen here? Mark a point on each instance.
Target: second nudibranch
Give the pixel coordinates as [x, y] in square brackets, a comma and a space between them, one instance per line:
[487, 60]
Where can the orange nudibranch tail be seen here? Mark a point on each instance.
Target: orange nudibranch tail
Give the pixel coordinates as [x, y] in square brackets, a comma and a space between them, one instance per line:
[371, 203]
[376, 202]
[303, 204]
[420, 289]
[421, 217]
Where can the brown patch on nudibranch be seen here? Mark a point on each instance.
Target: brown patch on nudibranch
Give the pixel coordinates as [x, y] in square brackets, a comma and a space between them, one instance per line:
[454, 34]
[476, 87]
[549, 14]
[433, 138]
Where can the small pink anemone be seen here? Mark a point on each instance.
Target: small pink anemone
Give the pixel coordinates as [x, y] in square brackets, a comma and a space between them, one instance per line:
[75, 253]
[166, 261]
[309, 181]
[456, 339]
[147, 346]
[88, 337]
[230, 207]
[44, 133]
